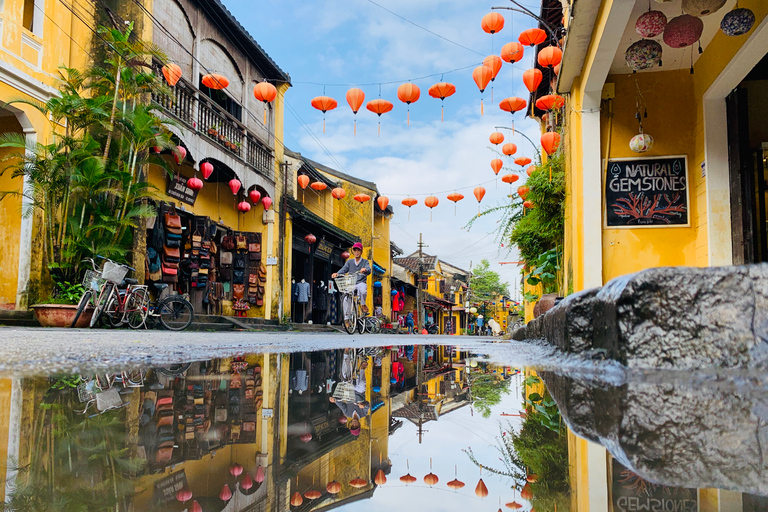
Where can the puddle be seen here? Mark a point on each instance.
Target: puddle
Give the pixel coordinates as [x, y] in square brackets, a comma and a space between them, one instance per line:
[387, 428]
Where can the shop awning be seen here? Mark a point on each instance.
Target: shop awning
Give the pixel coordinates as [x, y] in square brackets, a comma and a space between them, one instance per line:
[378, 269]
[302, 215]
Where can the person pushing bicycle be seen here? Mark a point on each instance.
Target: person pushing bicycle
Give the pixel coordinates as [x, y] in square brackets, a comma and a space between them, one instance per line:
[360, 266]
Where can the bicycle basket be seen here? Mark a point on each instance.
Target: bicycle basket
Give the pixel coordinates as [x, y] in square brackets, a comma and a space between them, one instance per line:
[91, 279]
[114, 272]
[346, 283]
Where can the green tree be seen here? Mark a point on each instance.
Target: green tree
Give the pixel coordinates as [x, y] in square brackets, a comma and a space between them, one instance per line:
[485, 283]
[487, 389]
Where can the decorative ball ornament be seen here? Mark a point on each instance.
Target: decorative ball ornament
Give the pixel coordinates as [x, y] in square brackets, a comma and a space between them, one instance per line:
[651, 24]
[683, 31]
[643, 54]
[244, 206]
[641, 143]
[702, 7]
[737, 22]
[195, 183]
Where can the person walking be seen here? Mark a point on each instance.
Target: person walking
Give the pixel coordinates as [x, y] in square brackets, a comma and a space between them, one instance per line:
[479, 325]
[409, 322]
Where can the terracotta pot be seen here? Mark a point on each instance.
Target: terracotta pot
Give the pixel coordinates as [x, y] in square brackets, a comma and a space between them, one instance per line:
[61, 315]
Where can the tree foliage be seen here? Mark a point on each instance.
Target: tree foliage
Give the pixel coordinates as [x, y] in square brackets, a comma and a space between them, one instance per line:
[487, 391]
[485, 283]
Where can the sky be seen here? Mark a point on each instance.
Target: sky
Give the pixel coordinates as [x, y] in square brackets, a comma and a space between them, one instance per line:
[328, 46]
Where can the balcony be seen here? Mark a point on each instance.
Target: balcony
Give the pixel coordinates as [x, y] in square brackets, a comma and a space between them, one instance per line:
[208, 119]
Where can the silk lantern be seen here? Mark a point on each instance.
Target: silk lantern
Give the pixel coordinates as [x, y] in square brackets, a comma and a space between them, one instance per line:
[195, 183]
[345, 257]
[492, 22]
[509, 149]
[532, 78]
[310, 239]
[196, 507]
[379, 107]
[338, 193]
[532, 37]
[737, 22]
[408, 93]
[643, 54]
[455, 197]
[550, 57]
[319, 186]
[247, 482]
[550, 141]
[526, 493]
[409, 202]
[529, 205]
[651, 24]
[513, 104]
[494, 62]
[234, 185]
[442, 90]
[215, 81]
[312, 495]
[482, 75]
[496, 165]
[266, 93]
[522, 191]
[512, 52]
[683, 31]
[550, 102]
[358, 483]
[496, 138]
[296, 499]
[244, 206]
[355, 98]
[255, 196]
[267, 202]
[207, 169]
[481, 490]
[362, 198]
[226, 493]
[236, 470]
[260, 475]
[333, 487]
[180, 154]
[522, 161]
[381, 478]
[430, 202]
[324, 104]
[383, 202]
[183, 495]
[172, 73]
[303, 180]
[529, 171]
[510, 178]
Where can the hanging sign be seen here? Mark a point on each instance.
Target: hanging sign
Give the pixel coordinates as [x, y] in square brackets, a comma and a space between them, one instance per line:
[166, 488]
[647, 192]
[631, 493]
[178, 189]
[323, 249]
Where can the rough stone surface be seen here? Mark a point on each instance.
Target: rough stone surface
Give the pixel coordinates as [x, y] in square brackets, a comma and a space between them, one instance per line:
[668, 317]
[701, 433]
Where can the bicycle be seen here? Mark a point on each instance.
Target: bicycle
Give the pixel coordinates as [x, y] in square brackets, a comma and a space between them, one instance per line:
[91, 283]
[352, 308]
[173, 312]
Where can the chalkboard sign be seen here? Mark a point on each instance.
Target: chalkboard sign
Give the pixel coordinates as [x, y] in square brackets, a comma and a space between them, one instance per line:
[178, 189]
[647, 192]
[632, 493]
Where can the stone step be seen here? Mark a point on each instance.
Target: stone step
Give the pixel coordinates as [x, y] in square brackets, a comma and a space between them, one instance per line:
[210, 326]
[18, 318]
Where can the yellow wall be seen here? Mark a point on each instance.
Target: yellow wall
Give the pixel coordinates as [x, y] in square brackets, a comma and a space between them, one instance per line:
[382, 255]
[10, 226]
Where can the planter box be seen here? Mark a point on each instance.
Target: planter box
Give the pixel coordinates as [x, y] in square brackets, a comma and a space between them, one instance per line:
[61, 315]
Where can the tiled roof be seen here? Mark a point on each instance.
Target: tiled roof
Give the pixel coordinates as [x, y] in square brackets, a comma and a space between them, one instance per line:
[412, 264]
[414, 411]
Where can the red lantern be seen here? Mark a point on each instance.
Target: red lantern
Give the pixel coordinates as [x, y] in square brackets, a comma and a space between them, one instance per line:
[381, 478]
[512, 104]
[303, 180]
[532, 37]
[265, 92]
[522, 191]
[183, 495]
[319, 186]
[267, 202]
[310, 239]
[215, 81]
[532, 78]
[512, 52]
[509, 149]
[379, 107]
[312, 495]
[492, 22]
[324, 104]
[510, 178]
[195, 183]
[207, 169]
[236, 469]
[549, 102]
[481, 491]
[479, 193]
[226, 493]
[247, 482]
[180, 154]
[522, 161]
[172, 73]
[550, 57]
[244, 206]
[529, 205]
[355, 98]
[526, 493]
[482, 75]
[260, 475]
[234, 185]
[338, 193]
[196, 507]
[296, 499]
[496, 138]
[496, 165]
[442, 90]
[333, 487]
[362, 198]
[157, 149]
[383, 202]
[408, 93]
[550, 141]
[255, 195]
[345, 257]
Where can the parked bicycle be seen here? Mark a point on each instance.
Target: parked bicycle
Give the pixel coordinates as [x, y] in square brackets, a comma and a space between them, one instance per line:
[354, 319]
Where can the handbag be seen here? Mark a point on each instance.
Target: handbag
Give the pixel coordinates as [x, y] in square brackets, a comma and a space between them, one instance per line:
[214, 249]
[176, 244]
[253, 279]
[169, 271]
[238, 276]
[173, 220]
[239, 262]
[242, 244]
[238, 290]
[228, 242]
[225, 258]
[255, 247]
[225, 274]
[171, 252]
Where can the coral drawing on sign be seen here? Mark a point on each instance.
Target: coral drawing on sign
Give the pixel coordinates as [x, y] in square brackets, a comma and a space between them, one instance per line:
[640, 208]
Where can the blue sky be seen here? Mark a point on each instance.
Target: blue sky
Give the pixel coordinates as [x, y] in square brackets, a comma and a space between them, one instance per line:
[340, 43]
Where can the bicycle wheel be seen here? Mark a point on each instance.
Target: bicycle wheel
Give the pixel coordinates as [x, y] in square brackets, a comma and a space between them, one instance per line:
[84, 301]
[175, 313]
[101, 303]
[350, 313]
[372, 324]
[137, 308]
[113, 314]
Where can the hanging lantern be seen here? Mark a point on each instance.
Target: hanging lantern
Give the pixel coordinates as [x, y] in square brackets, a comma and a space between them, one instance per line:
[255, 195]
[196, 507]
[431, 479]
[266, 93]
[550, 102]
[409, 202]
[442, 90]
[643, 54]
[338, 193]
[737, 22]
[496, 165]
[479, 193]
[303, 180]
[550, 57]
[207, 169]
[244, 206]
[532, 78]
[259, 475]
[312, 495]
[532, 37]
[381, 478]
[358, 483]
[641, 143]
[383, 202]
[324, 104]
[509, 149]
[550, 141]
[522, 161]
[651, 24]
[362, 198]
[306, 436]
[333, 487]
[379, 107]
[408, 93]
[319, 186]
[180, 154]
[532, 478]
[492, 22]
[234, 185]
[215, 81]
[455, 197]
[702, 7]
[482, 75]
[522, 191]
[481, 491]
[683, 31]
[172, 73]
[528, 204]
[514, 505]
[496, 138]
[157, 149]
[247, 482]
[296, 499]
[510, 178]
[408, 479]
[556, 69]
[183, 495]
[529, 171]
[195, 183]
[310, 239]
[355, 98]
[430, 202]
[494, 62]
[267, 202]
[455, 484]
[512, 52]
[513, 104]
[226, 493]
[526, 493]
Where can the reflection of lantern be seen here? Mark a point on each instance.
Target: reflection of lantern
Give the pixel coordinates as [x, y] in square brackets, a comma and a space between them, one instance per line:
[481, 491]
[255, 195]
[355, 98]
[512, 52]
[303, 180]
[324, 104]
[702, 7]
[455, 484]
[207, 169]
[550, 141]
[296, 499]
[358, 483]
[226, 493]
[306, 436]
[383, 202]
[381, 478]
[651, 24]
[442, 90]
[362, 198]
[532, 478]
[526, 493]
[247, 482]
[492, 22]
[266, 93]
[333, 487]
[345, 256]
[319, 186]
[234, 185]
[482, 75]
[532, 37]
[172, 73]
[244, 206]
[737, 22]
[431, 479]
[496, 165]
[643, 54]
[215, 81]
[180, 154]
[510, 178]
[338, 193]
[267, 202]
[509, 149]
[195, 183]
[532, 78]
[312, 495]
[184, 495]
[408, 93]
[683, 31]
[514, 505]
[407, 479]
[260, 475]
[496, 138]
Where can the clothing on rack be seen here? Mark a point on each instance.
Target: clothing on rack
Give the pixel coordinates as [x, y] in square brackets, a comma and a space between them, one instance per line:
[302, 292]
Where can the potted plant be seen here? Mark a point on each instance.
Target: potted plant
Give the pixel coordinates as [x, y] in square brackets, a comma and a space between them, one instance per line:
[213, 131]
[59, 310]
[237, 147]
[222, 138]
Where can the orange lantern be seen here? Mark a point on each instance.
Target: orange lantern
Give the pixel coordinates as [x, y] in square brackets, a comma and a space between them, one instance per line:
[496, 165]
[526, 493]
[355, 98]
[492, 22]
[532, 78]
[324, 104]
[455, 484]
[408, 93]
[338, 193]
[381, 478]
[333, 487]
[512, 52]
[479, 193]
[496, 138]
[172, 73]
[409, 201]
[266, 93]
[482, 75]
[481, 491]
[312, 495]
[362, 198]
[556, 69]
[455, 197]
[522, 161]
[529, 205]
[442, 90]
[379, 107]
[532, 478]
[303, 180]
[510, 178]
[319, 186]
[513, 104]
[215, 81]
[530, 170]
[509, 149]
[494, 62]
[358, 483]
[408, 479]
[514, 505]
[431, 479]
[522, 191]
[550, 141]
[549, 102]
[431, 202]
[532, 37]
[383, 202]
[296, 499]
[550, 57]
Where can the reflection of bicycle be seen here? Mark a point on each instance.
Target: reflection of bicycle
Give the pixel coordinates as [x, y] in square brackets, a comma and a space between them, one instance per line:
[352, 309]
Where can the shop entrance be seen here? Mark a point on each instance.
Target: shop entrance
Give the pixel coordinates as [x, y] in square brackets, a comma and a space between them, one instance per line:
[747, 108]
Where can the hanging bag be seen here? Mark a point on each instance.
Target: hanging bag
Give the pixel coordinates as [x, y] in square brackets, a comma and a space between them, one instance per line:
[173, 221]
[242, 244]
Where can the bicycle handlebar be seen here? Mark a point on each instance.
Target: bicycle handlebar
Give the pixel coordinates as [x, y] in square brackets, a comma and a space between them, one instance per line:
[116, 263]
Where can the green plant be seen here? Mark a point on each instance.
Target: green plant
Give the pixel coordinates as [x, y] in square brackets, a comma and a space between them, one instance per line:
[545, 271]
[67, 293]
[530, 297]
